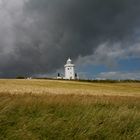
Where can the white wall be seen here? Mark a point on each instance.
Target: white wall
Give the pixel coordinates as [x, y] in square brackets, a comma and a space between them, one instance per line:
[69, 71]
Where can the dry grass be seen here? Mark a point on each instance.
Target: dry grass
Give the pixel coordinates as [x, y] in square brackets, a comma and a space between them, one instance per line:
[67, 87]
[58, 110]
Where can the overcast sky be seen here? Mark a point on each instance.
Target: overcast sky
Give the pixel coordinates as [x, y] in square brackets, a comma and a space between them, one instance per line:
[102, 37]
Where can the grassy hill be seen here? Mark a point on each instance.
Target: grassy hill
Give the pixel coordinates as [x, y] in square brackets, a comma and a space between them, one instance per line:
[65, 110]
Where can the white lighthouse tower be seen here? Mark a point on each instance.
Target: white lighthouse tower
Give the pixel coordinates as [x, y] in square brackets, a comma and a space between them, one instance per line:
[69, 70]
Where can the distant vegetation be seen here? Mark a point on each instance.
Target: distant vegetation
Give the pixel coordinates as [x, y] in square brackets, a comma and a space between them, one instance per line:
[96, 81]
[20, 77]
[110, 81]
[62, 110]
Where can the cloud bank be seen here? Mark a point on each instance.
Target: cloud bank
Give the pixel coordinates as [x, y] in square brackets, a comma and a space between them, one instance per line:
[37, 36]
[120, 75]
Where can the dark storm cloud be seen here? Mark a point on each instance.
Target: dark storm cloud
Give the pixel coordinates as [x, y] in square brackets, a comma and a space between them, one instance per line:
[46, 32]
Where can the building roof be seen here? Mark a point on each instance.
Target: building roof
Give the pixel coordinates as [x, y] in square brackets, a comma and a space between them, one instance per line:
[69, 61]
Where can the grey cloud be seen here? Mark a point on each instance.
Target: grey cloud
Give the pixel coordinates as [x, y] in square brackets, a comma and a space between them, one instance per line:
[43, 33]
[107, 54]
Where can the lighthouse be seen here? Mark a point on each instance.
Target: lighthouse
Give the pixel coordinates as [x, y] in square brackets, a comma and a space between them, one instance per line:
[69, 70]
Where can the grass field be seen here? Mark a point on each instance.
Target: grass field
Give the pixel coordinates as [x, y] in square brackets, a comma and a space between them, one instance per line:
[64, 110]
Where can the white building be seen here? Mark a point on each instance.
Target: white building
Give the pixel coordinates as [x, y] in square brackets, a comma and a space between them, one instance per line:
[69, 70]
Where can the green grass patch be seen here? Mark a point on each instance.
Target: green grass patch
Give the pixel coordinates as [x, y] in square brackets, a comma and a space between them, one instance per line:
[67, 117]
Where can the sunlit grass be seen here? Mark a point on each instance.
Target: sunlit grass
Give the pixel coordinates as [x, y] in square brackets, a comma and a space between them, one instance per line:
[67, 87]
